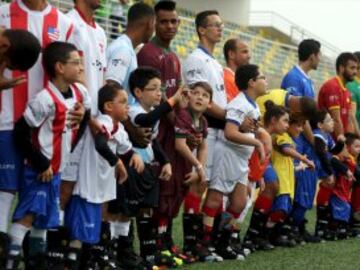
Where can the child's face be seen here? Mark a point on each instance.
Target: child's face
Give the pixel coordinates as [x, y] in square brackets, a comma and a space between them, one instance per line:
[199, 99]
[73, 68]
[281, 125]
[295, 129]
[260, 85]
[354, 148]
[120, 107]
[328, 124]
[151, 94]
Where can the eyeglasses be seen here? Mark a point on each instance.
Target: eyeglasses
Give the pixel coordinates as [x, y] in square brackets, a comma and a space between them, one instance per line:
[216, 25]
[158, 89]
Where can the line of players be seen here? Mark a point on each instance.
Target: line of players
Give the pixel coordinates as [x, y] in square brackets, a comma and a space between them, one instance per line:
[164, 152]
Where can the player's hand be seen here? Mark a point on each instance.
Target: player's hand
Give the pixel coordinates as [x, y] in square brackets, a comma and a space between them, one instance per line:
[166, 172]
[248, 125]
[121, 174]
[96, 126]
[76, 115]
[191, 178]
[181, 93]
[6, 83]
[202, 175]
[46, 176]
[261, 151]
[137, 163]
[341, 138]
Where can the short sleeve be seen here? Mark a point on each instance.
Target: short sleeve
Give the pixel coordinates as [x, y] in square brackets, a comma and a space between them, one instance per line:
[283, 140]
[39, 109]
[193, 70]
[118, 65]
[106, 123]
[123, 144]
[85, 95]
[182, 123]
[235, 116]
[292, 85]
[331, 98]
[134, 111]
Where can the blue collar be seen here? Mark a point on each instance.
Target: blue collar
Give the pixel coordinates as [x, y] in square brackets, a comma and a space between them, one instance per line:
[252, 102]
[205, 51]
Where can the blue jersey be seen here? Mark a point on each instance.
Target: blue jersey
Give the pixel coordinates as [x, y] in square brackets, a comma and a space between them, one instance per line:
[298, 83]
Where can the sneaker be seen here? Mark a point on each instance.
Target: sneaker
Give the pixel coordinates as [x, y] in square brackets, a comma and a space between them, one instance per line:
[187, 259]
[206, 253]
[13, 262]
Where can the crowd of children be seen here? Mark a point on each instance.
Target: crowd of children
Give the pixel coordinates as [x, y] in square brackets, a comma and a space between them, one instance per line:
[144, 144]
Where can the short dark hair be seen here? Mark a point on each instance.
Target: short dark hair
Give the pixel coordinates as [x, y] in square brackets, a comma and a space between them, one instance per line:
[273, 110]
[201, 18]
[350, 138]
[244, 74]
[107, 93]
[203, 85]
[165, 5]
[138, 11]
[296, 118]
[230, 45]
[317, 118]
[343, 59]
[24, 49]
[357, 54]
[307, 47]
[56, 52]
[308, 107]
[141, 76]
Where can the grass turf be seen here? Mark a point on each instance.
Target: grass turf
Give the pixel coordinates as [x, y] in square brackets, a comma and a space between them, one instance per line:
[344, 254]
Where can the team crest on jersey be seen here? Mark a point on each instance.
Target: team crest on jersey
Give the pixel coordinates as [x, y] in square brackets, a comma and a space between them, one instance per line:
[53, 33]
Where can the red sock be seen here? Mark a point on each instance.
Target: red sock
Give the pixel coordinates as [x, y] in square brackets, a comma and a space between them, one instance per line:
[323, 196]
[209, 215]
[234, 214]
[277, 216]
[263, 204]
[192, 203]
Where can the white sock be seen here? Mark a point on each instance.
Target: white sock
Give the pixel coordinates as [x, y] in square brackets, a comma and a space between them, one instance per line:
[119, 228]
[62, 216]
[17, 234]
[6, 200]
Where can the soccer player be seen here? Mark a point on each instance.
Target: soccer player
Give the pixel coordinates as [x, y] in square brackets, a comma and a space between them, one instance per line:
[333, 95]
[158, 54]
[48, 25]
[236, 54]
[46, 116]
[354, 88]
[298, 83]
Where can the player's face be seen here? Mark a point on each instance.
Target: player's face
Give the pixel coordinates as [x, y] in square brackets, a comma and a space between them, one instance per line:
[213, 29]
[328, 124]
[281, 125]
[151, 94]
[199, 99]
[242, 54]
[354, 148]
[260, 84]
[93, 4]
[120, 106]
[349, 71]
[316, 60]
[167, 24]
[73, 68]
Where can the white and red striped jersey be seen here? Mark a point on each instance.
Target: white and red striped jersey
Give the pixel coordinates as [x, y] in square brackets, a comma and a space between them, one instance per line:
[90, 39]
[48, 25]
[48, 114]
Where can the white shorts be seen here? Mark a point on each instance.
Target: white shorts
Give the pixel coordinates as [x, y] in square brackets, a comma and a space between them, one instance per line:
[71, 169]
[211, 139]
[229, 169]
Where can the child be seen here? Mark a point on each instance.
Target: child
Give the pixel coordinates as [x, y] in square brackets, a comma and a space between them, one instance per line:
[340, 199]
[276, 121]
[141, 191]
[190, 162]
[45, 135]
[97, 185]
[282, 160]
[230, 172]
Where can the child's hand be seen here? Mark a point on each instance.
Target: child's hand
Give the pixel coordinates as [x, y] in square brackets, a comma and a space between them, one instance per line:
[166, 172]
[76, 115]
[191, 178]
[341, 138]
[201, 172]
[181, 94]
[260, 148]
[121, 174]
[137, 163]
[309, 163]
[47, 175]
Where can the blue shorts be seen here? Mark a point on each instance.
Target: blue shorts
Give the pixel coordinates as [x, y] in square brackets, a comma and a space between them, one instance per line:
[340, 210]
[11, 162]
[40, 199]
[83, 220]
[305, 181]
[282, 203]
[270, 174]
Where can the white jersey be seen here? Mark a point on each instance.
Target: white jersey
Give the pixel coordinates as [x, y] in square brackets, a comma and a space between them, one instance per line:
[236, 111]
[147, 154]
[90, 39]
[48, 25]
[121, 61]
[48, 113]
[202, 66]
[96, 180]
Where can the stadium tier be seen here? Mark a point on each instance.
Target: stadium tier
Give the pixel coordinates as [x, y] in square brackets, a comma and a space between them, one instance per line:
[273, 57]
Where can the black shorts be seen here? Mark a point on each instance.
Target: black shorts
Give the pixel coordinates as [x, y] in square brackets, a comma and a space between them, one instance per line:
[139, 191]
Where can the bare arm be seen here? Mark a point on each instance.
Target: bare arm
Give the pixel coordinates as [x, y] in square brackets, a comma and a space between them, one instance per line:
[291, 152]
[202, 152]
[185, 152]
[353, 125]
[338, 126]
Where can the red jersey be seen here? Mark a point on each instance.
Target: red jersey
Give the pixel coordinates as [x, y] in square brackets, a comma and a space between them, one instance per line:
[342, 188]
[47, 25]
[334, 95]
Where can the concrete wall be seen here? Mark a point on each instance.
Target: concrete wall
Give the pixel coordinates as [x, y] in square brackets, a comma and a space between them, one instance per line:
[236, 11]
